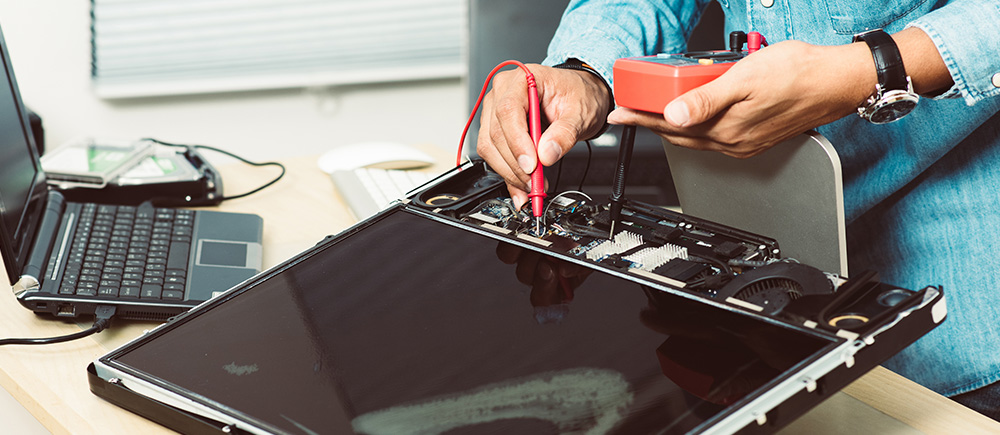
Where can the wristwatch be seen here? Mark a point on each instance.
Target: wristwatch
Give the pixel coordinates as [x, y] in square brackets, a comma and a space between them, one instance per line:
[893, 97]
[577, 64]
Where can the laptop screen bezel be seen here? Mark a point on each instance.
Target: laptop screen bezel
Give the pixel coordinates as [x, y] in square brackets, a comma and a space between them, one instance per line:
[16, 243]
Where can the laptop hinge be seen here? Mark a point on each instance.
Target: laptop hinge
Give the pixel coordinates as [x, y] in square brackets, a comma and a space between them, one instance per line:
[42, 246]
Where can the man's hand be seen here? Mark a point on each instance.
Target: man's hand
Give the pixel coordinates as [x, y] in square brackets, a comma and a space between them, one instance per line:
[573, 102]
[769, 96]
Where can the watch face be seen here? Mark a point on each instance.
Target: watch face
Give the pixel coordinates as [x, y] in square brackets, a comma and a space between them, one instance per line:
[892, 111]
[893, 106]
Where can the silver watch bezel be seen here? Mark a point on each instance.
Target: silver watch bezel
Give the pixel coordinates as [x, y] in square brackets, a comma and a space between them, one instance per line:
[881, 101]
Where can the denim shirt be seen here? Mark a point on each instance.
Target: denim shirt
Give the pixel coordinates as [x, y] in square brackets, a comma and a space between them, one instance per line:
[922, 195]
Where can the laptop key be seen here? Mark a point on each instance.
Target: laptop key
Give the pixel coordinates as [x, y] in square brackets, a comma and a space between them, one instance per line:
[150, 291]
[177, 258]
[114, 263]
[174, 295]
[108, 291]
[129, 292]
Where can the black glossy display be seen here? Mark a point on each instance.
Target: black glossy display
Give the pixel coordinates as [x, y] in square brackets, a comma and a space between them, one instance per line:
[418, 325]
[22, 185]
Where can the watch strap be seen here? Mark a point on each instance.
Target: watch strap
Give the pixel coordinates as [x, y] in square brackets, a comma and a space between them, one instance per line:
[577, 64]
[888, 61]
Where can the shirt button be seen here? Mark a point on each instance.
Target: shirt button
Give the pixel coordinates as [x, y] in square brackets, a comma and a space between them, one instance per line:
[767, 3]
[996, 80]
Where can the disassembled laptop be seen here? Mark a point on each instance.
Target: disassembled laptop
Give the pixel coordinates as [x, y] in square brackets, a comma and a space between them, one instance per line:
[719, 263]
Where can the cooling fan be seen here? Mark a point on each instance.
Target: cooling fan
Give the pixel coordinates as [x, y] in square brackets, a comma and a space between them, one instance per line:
[773, 286]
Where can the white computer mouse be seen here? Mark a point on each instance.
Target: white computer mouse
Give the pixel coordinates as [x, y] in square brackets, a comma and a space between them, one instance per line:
[383, 155]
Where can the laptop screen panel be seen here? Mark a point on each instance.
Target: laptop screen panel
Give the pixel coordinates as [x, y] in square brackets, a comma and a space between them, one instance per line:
[410, 321]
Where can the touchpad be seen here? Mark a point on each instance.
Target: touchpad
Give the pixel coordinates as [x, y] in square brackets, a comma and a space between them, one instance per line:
[218, 264]
[227, 253]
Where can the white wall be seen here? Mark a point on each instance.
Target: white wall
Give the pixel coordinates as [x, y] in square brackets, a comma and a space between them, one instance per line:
[49, 43]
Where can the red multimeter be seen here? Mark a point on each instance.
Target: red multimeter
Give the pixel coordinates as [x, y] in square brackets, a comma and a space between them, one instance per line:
[648, 83]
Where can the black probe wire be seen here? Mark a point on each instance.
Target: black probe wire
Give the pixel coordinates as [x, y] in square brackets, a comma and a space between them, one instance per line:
[221, 151]
[103, 315]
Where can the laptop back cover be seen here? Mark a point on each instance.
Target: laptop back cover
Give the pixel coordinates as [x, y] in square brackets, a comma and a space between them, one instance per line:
[793, 192]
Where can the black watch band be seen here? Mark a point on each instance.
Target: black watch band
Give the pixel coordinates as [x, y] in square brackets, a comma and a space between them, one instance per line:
[577, 64]
[888, 61]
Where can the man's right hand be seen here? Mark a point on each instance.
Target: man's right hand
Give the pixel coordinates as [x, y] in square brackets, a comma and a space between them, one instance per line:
[575, 104]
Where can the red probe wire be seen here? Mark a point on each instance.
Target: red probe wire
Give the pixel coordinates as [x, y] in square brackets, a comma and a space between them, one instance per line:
[537, 193]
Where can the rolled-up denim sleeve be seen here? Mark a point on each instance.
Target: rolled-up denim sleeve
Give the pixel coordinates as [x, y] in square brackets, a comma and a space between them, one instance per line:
[966, 35]
[599, 31]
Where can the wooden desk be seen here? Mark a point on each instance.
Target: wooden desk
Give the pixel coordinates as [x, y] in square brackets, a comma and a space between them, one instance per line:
[50, 381]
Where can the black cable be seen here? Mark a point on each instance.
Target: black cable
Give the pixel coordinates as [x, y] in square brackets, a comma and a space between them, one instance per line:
[103, 316]
[722, 265]
[737, 262]
[586, 169]
[206, 147]
[555, 187]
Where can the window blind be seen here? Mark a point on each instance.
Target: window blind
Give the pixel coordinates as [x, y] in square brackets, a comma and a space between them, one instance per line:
[167, 47]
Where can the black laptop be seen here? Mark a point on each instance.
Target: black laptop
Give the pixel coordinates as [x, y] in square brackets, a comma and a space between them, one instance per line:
[68, 258]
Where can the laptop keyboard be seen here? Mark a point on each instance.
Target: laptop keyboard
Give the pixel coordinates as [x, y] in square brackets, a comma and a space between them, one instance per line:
[129, 252]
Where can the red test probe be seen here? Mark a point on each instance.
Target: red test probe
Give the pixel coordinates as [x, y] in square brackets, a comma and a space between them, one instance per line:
[537, 193]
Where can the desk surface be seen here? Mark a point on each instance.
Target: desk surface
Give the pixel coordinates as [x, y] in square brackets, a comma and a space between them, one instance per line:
[298, 211]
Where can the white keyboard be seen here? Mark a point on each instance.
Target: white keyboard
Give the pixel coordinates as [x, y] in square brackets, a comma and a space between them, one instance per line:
[369, 190]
